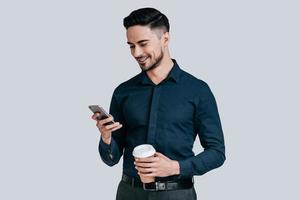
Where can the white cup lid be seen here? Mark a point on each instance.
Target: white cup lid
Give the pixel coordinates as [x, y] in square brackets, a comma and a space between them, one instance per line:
[143, 151]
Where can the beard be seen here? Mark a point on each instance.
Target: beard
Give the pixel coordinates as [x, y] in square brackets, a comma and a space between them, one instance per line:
[154, 64]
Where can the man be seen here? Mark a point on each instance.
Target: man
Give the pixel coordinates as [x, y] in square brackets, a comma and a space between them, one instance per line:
[163, 106]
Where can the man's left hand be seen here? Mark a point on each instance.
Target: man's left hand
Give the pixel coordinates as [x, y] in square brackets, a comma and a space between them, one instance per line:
[157, 166]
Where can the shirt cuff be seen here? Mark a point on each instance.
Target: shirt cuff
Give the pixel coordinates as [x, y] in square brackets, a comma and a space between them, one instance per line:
[185, 169]
[104, 146]
[109, 149]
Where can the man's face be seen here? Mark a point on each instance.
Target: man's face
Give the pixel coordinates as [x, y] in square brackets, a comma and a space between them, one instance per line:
[146, 45]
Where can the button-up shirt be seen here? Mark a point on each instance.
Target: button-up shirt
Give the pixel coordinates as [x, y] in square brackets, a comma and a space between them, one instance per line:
[169, 116]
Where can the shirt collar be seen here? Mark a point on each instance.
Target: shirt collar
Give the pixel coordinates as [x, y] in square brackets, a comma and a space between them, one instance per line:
[174, 75]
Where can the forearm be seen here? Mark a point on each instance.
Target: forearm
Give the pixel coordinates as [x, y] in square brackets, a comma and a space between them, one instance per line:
[202, 163]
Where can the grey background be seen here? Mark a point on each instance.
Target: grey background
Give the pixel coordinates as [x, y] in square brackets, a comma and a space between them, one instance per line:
[57, 57]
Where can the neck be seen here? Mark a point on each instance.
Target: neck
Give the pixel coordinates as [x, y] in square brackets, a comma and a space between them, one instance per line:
[161, 71]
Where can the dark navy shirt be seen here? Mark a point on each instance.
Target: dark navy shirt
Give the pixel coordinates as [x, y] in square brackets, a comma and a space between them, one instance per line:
[169, 116]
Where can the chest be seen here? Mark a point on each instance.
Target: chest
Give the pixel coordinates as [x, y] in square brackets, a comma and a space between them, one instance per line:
[161, 105]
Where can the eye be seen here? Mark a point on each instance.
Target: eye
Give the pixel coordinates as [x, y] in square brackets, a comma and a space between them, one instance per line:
[143, 44]
[131, 47]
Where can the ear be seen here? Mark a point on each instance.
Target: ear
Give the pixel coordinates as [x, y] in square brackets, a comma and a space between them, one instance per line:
[165, 39]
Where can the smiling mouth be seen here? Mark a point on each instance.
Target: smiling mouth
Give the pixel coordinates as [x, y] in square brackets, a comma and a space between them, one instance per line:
[142, 60]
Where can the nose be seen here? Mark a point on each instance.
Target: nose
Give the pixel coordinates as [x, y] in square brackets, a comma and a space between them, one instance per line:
[136, 52]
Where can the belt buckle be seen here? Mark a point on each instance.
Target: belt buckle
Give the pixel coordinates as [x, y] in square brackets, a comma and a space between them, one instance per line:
[158, 186]
[146, 189]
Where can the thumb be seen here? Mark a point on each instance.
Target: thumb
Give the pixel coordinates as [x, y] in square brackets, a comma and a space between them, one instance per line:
[160, 155]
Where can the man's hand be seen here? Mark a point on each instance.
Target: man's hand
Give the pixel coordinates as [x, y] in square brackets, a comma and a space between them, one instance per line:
[106, 130]
[157, 166]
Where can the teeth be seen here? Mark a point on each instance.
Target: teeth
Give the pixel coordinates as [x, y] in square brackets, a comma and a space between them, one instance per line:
[142, 59]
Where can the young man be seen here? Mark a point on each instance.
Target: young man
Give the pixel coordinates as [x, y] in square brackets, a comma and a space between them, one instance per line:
[163, 106]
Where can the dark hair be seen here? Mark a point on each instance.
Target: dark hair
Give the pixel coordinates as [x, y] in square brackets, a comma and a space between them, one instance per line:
[147, 17]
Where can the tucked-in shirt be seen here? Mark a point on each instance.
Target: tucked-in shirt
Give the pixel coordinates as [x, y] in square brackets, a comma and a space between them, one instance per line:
[169, 116]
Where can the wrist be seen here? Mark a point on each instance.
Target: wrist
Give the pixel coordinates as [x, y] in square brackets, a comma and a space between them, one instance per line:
[176, 167]
[106, 140]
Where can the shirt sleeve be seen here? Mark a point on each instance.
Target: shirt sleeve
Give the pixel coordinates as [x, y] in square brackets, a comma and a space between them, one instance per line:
[208, 126]
[111, 153]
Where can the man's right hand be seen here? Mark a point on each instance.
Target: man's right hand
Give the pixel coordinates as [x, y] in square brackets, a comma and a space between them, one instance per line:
[106, 130]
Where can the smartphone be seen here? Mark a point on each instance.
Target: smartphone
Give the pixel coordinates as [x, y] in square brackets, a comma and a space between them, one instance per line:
[103, 113]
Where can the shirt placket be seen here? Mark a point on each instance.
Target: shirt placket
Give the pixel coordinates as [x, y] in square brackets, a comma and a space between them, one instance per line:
[153, 115]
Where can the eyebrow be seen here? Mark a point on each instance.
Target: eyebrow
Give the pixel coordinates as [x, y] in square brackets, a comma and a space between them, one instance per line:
[139, 42]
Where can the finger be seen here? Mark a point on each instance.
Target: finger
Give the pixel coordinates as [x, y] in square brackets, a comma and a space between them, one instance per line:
[159, 155]
[98, 124]
[116, 128]
[104, 121]
[108, 127]
[145, 164]
[145, 170]
[95, 115]
[152, 174]
[149, 159]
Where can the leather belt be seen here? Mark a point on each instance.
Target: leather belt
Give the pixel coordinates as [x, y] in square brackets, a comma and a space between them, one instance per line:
[159, 185]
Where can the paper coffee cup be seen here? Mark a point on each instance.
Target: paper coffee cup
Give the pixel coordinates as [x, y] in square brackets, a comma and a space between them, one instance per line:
[144, 151]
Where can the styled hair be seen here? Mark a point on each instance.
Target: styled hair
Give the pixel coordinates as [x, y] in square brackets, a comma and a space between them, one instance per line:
[147, 17]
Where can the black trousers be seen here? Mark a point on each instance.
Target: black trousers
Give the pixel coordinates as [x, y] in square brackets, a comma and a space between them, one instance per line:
[127, 192]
